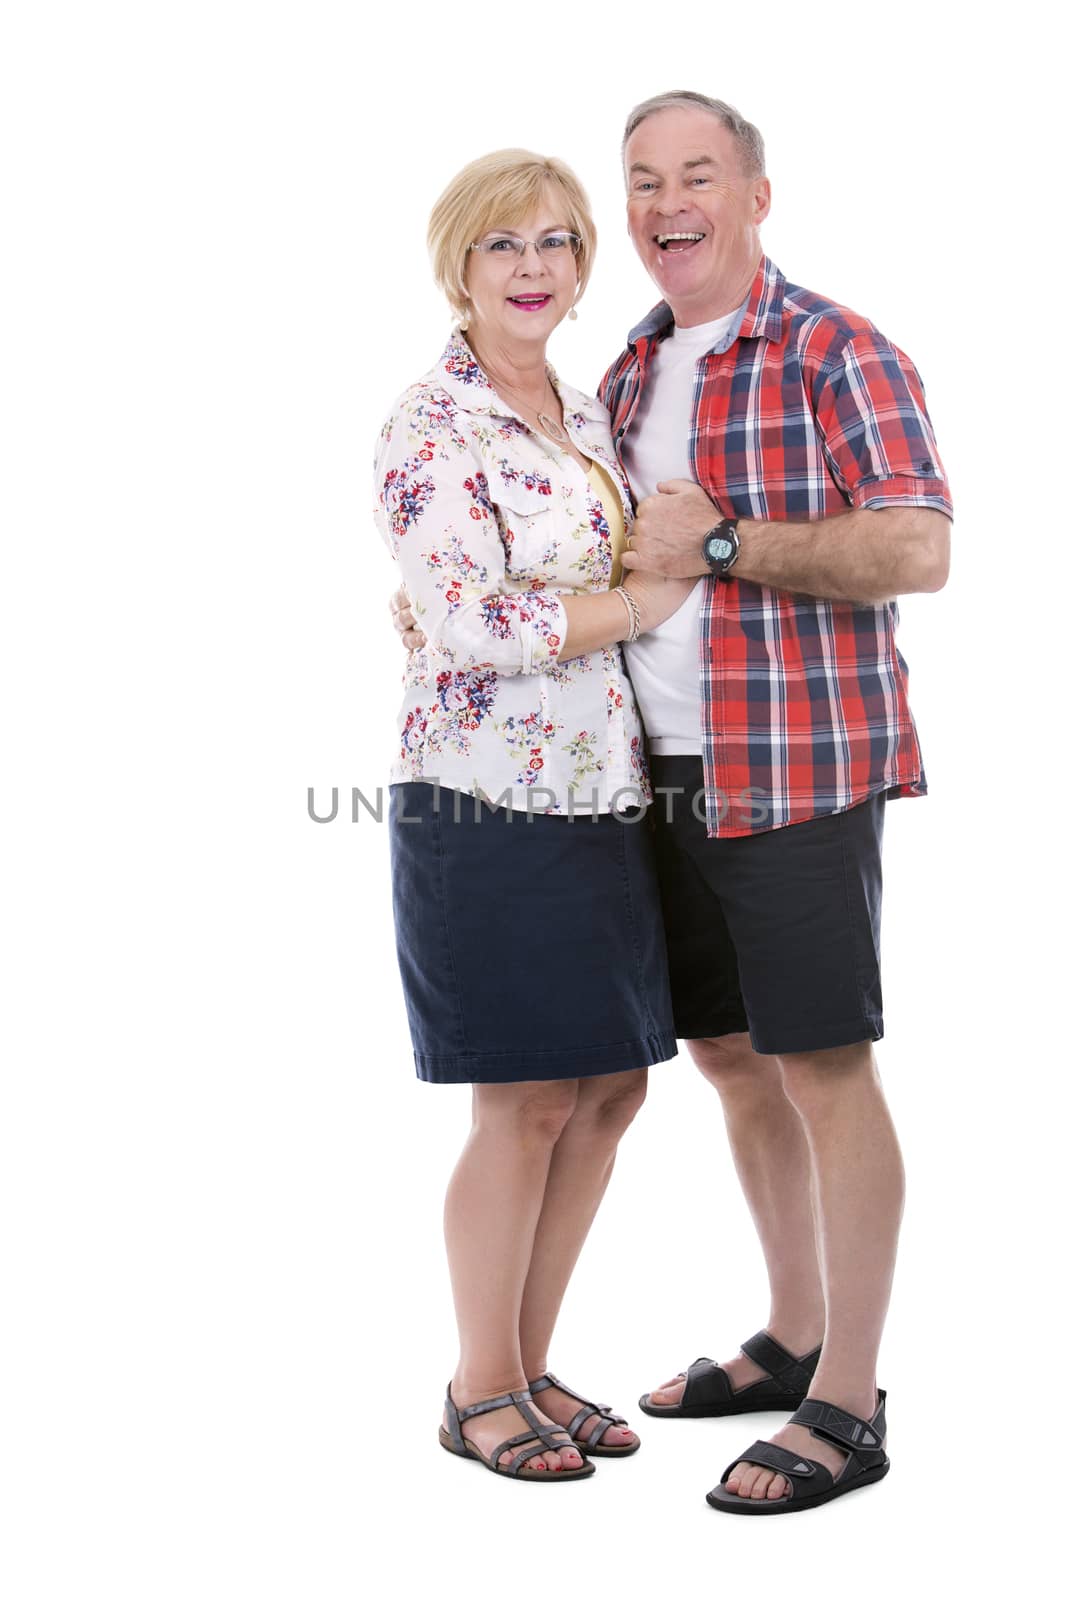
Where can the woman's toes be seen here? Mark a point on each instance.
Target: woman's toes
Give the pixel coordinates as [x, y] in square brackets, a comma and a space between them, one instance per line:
[571, 1458]
[551, 1460]
[618, 1436]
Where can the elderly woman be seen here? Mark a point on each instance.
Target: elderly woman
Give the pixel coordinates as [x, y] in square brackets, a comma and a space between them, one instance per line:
[527, 916]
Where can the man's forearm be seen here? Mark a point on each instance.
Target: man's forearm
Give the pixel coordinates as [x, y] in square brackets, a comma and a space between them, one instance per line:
[863, 556]
[860, 555]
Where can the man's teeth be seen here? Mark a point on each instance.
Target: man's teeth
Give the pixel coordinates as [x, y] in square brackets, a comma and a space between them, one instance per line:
[665, 238]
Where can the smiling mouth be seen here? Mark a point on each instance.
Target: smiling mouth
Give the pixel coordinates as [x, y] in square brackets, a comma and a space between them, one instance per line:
[672, 243]
[529, 302]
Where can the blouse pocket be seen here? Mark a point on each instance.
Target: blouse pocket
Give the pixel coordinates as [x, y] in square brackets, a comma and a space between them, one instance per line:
[529, 530]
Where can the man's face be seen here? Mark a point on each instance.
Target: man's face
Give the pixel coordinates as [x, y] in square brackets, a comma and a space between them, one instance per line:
[684, 177]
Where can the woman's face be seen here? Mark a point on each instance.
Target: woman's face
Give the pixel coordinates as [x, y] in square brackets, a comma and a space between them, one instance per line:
[519, 299]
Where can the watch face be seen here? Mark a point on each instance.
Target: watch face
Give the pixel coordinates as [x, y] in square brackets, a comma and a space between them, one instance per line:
[718, 549]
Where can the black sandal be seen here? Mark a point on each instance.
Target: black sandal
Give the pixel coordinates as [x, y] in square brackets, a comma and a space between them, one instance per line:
[812, 1484]
[709, 1392]
[591, 1446]
[454, 1440]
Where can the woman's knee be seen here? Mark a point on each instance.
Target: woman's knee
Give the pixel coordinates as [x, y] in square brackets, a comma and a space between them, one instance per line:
[608, 1104]
[538, 1111]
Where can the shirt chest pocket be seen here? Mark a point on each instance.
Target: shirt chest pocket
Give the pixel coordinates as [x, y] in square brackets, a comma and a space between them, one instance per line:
[529, 523]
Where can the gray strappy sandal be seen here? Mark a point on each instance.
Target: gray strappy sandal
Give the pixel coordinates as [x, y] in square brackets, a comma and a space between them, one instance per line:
[547, 1438]
[607, 1419]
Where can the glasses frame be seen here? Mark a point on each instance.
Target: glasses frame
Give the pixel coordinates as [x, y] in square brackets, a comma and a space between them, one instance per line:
[550, 233]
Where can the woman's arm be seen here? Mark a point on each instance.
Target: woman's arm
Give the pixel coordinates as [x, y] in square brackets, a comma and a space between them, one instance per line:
[434, 511]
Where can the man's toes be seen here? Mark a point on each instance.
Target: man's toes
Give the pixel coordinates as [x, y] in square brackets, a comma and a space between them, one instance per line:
[759, 1487]
[777, 1487]
[669, 1393]
[750, 1475]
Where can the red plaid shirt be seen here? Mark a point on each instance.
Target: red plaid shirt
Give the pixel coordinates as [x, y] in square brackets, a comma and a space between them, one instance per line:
[807, 412]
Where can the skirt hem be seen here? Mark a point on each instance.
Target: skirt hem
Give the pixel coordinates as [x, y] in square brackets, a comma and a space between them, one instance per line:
[539, 1066]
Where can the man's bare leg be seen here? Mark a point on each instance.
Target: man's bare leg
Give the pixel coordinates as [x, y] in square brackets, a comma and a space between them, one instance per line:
[772, 1158]
[859, 1196]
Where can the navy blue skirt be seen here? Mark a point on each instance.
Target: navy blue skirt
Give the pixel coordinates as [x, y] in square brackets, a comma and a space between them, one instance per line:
[530, 947]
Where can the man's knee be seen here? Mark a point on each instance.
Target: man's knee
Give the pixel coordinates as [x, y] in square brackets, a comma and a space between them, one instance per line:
[817, 1079]
[729, 1063]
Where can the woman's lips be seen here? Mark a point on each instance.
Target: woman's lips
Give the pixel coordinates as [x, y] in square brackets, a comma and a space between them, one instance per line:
[530, 302]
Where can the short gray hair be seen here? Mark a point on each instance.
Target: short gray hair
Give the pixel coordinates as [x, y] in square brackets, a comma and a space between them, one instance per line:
[748, 137]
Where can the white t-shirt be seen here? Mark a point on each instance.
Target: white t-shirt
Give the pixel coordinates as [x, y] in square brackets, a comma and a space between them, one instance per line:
[664, 664]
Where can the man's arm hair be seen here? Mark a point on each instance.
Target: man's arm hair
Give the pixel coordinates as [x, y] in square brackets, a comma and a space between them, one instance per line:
[861, 555]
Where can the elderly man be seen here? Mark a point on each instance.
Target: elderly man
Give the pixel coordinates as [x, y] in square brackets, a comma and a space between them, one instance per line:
[779, 447]
[781, 443]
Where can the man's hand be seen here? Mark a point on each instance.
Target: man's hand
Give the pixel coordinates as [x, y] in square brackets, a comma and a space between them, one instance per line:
[411, 635]
[668, 533]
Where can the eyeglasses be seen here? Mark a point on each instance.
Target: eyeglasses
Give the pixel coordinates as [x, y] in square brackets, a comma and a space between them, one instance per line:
[509, 247]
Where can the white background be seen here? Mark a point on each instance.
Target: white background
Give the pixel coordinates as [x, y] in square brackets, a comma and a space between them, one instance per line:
[226, 1327]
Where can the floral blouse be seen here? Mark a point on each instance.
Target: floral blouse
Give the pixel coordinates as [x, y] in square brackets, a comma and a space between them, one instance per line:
[491, 522]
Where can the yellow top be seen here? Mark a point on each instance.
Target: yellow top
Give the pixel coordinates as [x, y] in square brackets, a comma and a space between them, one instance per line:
[603, 486]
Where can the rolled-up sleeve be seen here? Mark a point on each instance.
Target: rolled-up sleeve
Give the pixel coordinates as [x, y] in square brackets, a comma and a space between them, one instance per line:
[877, 435]
[434, 512]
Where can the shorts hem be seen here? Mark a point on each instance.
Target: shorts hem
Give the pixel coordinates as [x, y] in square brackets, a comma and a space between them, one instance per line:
[717, 1030]
[766, 1044]
[824, 1037]
[540, 1066]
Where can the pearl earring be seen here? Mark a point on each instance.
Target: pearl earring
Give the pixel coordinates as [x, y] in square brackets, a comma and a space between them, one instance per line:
[572, 314]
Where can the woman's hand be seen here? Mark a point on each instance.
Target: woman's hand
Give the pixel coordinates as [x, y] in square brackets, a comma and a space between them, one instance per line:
[657, 597]
[411, 635]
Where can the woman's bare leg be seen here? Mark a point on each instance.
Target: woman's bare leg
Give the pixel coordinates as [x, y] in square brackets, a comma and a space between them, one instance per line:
[581, 1165]
[492, 1209]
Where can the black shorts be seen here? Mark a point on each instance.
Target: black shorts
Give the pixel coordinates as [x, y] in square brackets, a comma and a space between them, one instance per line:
[775, 934]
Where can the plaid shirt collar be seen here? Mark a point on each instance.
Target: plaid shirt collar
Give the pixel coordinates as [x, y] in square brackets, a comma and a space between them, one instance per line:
[761, 317]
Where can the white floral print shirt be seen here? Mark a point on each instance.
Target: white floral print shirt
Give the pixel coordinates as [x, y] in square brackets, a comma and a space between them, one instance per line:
[490, 523]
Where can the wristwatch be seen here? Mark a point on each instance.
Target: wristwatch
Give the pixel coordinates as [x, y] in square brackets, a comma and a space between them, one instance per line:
[722, 547]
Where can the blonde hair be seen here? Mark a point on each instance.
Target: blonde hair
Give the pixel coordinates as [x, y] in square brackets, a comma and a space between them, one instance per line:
[499, 191]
